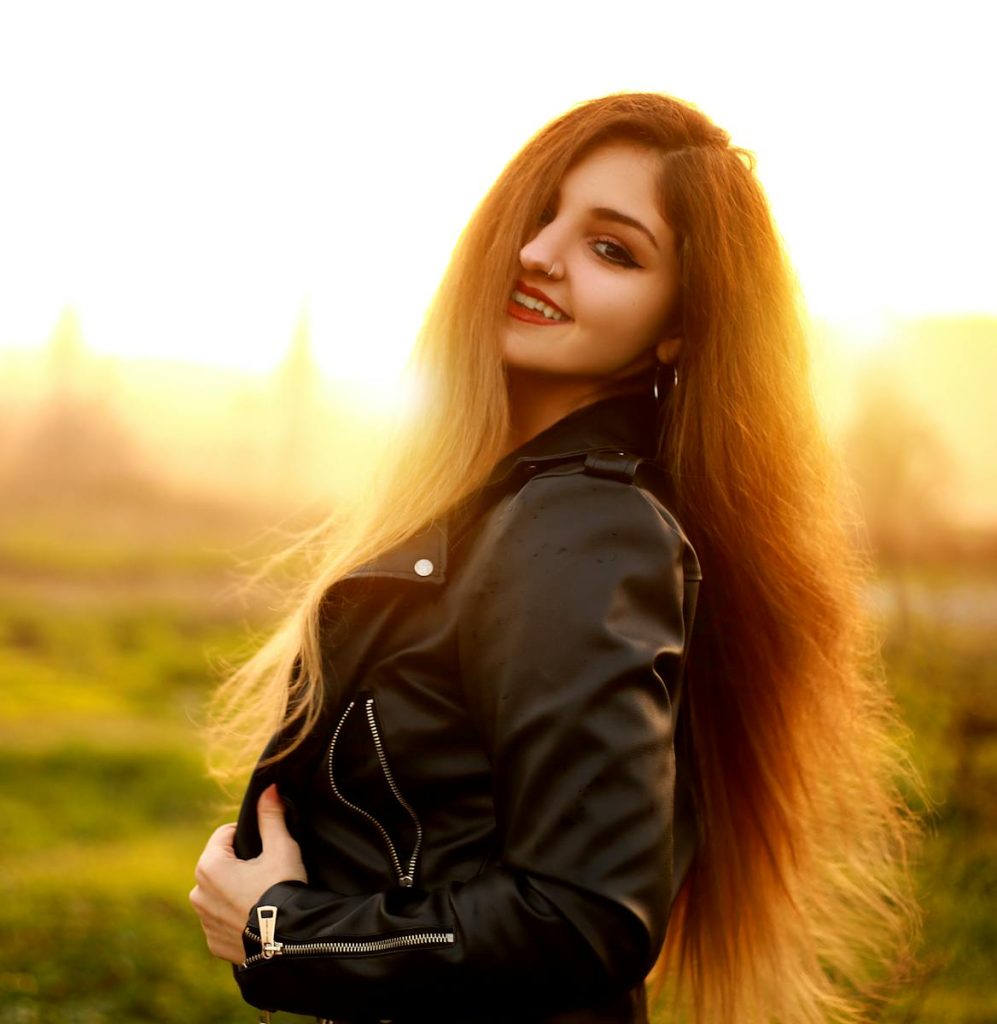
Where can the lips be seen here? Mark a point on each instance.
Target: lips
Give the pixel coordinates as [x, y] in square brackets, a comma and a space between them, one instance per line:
[530, 316]
[535, 293]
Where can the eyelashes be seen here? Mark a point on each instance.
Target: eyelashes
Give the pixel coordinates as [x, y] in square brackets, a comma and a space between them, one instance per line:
[623, 259]
[607, 249]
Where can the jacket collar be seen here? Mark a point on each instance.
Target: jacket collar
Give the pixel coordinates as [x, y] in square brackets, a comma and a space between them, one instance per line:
[627, 422]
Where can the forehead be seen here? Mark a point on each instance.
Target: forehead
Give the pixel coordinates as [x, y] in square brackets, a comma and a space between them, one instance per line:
[618, 174]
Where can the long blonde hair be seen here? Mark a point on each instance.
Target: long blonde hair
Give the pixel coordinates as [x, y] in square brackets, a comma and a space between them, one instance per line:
[799, 905]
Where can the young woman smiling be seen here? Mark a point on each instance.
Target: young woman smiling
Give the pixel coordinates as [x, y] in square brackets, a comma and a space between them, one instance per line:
[586, 689]
[611, 277]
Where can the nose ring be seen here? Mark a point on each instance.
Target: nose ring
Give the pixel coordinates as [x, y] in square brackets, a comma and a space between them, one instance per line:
[551, 271]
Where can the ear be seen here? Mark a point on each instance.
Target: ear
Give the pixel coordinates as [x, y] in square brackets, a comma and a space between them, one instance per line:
[667, 349]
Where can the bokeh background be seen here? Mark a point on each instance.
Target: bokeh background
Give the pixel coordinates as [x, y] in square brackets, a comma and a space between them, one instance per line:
[220, 224]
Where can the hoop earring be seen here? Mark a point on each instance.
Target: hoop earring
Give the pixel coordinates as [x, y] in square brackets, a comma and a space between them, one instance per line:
[657, 379]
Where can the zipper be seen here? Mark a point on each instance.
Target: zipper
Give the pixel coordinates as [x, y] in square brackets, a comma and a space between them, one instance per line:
[267, 917]
[406, 878]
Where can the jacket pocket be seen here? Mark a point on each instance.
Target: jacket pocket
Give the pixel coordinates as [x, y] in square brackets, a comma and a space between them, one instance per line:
[361, 712]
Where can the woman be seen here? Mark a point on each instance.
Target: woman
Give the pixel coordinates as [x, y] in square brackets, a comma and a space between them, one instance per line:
[524, 756]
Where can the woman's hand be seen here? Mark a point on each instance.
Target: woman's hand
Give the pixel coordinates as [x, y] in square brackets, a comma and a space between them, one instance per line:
[228, 888]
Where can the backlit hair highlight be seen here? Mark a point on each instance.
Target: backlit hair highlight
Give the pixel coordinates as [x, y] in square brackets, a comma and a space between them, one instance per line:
[799, 906]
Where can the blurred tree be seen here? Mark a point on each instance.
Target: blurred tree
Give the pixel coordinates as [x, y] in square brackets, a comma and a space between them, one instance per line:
[297, 409]
[73, 446]
[902, 470]
[904, 478]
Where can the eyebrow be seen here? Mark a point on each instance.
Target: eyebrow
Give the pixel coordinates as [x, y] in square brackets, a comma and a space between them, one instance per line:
[606, 213]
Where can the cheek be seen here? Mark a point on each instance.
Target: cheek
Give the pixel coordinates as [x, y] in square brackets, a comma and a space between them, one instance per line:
[605, 299]
[630, 312]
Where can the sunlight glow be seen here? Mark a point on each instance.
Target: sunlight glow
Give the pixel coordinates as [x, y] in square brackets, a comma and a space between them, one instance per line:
[194, 214]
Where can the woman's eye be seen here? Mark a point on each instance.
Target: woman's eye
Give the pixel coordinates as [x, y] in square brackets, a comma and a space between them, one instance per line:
[546, 217]
[614, 253]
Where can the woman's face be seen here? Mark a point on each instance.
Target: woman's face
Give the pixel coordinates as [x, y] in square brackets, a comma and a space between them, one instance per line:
[614, 279]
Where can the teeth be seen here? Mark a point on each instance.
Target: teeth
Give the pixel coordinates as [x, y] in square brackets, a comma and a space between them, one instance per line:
[531, 303]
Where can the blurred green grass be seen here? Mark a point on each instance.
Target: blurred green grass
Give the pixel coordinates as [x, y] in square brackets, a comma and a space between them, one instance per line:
[106, 657]
[105, 807]
[945, 678]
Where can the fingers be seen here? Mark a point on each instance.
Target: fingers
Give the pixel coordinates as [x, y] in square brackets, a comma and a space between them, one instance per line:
[216, 850]
[220, 842]
[223, 938]
[280, 849]
[222, 837]
[270, 812]
[206, 908]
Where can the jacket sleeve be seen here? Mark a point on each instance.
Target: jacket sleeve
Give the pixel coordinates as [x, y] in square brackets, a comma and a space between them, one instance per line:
[571, 642]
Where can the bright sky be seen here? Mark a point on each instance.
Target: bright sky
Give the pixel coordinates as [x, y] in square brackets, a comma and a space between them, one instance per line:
[190, 176]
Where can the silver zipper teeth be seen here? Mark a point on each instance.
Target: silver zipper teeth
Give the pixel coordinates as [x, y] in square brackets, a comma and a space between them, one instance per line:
[394, 788]
[403, 879]
[352, 945]
[359, 810]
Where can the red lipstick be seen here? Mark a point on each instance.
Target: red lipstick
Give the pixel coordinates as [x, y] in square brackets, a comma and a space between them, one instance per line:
[531, 316]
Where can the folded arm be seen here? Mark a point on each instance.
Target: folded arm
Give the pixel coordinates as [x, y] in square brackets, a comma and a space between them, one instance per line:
[571, 638]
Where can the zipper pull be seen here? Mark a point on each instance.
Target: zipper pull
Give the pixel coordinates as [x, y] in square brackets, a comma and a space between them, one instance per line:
[267, 916]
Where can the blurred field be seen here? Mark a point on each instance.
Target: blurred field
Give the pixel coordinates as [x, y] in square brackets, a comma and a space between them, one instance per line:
[106, 642]
[105, 660]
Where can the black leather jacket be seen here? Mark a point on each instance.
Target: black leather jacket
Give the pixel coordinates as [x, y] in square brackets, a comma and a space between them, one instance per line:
[496, 812]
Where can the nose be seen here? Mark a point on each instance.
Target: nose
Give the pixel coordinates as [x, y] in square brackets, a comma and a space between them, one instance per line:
[539, 254]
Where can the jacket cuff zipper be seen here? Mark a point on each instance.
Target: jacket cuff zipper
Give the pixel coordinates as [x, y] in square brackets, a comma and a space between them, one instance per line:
[270, 947]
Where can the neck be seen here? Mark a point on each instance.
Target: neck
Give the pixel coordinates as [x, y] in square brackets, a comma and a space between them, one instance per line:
[538, 400]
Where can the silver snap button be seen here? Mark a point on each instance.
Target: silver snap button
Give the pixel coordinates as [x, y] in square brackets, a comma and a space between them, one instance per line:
[423, 567]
